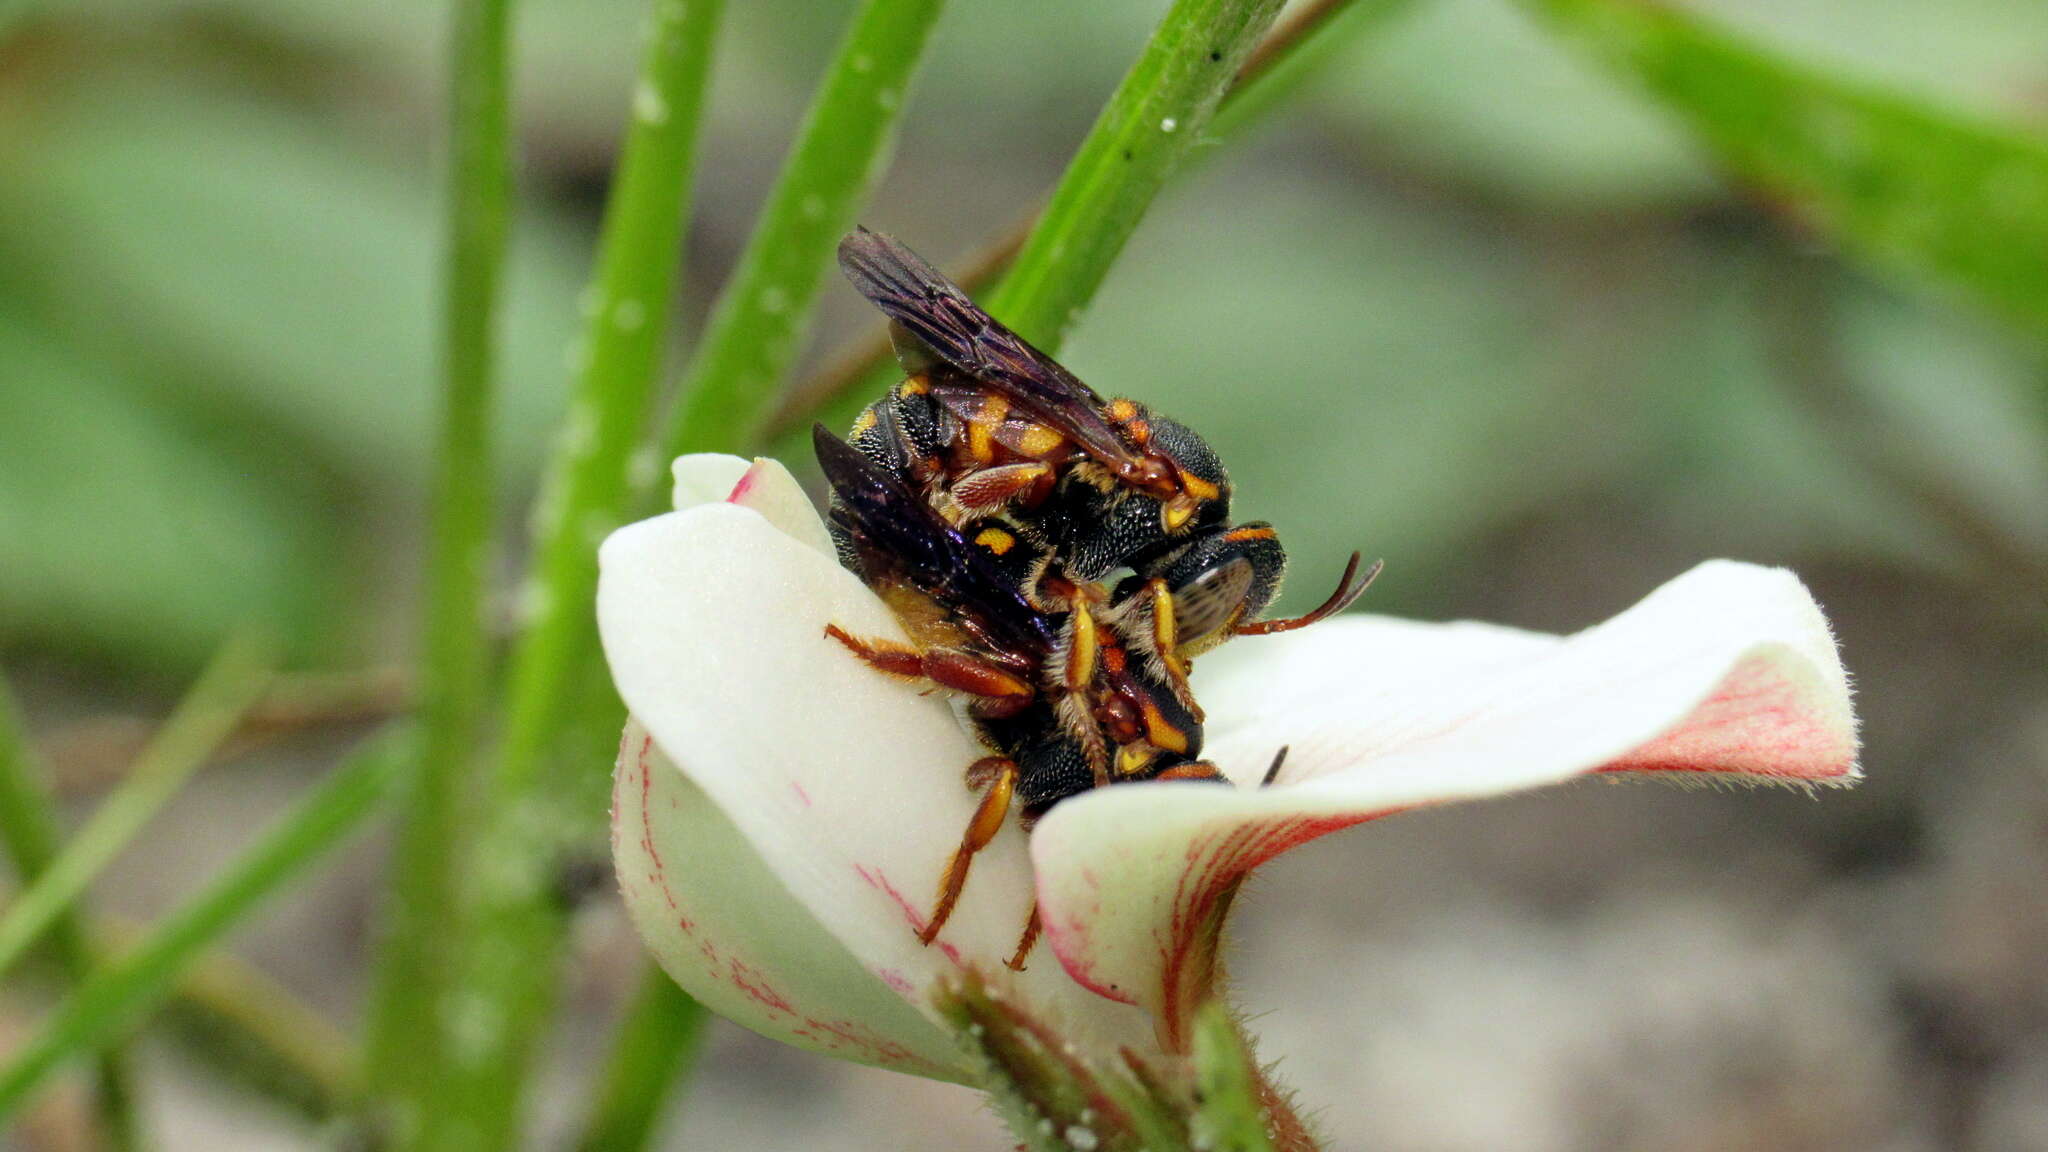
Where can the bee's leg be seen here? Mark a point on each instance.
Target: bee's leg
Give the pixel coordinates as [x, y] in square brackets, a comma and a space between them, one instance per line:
[990, 489]
[1080, 648]
[1273, 772]
[1000, 773]
[1025, 942]
[998, 691]
[882, 655]
[1193, 770]
[1166, 644]
[1079, 653]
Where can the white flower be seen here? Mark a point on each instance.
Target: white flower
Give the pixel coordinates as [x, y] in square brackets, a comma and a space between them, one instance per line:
[783, 812]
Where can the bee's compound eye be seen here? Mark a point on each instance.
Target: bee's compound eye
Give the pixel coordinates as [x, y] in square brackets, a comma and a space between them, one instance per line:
[1215, 597]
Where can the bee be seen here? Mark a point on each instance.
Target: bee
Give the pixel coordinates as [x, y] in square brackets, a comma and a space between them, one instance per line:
[984, 424]
[1062, 704]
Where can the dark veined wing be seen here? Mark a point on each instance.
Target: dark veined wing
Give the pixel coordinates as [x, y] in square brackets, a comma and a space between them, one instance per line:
[896, 532]
[941, 317]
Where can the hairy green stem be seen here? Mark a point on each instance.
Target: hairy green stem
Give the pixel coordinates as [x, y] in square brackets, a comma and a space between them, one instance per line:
[840, 151]
[30, 832]
[1282, 61]
[202, 720]
[414, 961]
[508, 973]
[1155, 117]
[113, 999]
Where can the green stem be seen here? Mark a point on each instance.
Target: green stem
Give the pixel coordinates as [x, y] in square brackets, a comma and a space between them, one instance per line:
[1157, 114]
[238, 1017]
[1296, 49]
[1281, 63]
[509, 972]
[658, 1039]
[116, 998]
[413, 964]
[639, 259]
[205, 717]
[840, 151]
[30, 832]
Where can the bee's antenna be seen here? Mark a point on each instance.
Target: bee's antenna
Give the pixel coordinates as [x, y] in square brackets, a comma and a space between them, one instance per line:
[1342, 598]
[1272, 772]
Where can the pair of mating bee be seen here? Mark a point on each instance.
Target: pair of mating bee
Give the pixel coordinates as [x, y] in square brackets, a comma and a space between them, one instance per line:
[988, 499]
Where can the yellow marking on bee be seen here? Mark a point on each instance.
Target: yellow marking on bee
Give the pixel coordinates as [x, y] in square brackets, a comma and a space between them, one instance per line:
[1161, 733]
[1140, 432]
[981, 429]
[1132, 759]
[865, 422]
[1039, 440]
[996, 540]
[1163, 627]
[995, 804]
[1196, 486]
[928, 623]
[1256, 532]
[1177, 512]
[1121, 410]
[1085, 646]
[914, 386]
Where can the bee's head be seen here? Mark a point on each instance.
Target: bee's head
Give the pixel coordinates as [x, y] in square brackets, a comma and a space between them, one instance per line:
[1183, 473]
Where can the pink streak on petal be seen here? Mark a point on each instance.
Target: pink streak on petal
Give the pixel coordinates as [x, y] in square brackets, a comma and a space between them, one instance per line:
[911, 916]
[738, 495]
[1756, 725]
[841, 1036]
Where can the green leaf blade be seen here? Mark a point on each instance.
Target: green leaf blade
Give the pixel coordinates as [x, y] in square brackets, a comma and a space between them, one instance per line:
[1900, 184]
[115, 998]
[1153, 120]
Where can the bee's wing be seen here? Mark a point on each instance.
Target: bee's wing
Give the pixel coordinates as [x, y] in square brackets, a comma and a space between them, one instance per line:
[897, 534]
[956, 332]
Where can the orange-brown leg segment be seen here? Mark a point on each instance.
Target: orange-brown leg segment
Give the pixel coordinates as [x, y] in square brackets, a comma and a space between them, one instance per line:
[989, 489]
[1001, 692]
[1191, 770]
[1025, 942]
[1001, 773]
[886, 655]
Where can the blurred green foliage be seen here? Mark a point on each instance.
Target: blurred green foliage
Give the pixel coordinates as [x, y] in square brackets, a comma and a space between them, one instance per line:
[1472, 277]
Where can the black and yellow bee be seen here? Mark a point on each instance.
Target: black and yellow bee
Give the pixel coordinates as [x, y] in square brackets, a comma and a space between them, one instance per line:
[1061, 703]
[985, 425]
[987, 499]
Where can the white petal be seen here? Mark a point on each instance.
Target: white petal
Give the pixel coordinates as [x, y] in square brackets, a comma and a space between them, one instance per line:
[762, 484]
[726, 929]
[847, 783]
[705, 478]
[769, 489]
[1728, 669]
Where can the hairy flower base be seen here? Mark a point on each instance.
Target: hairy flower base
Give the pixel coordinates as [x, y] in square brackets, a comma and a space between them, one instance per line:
[783, 812]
